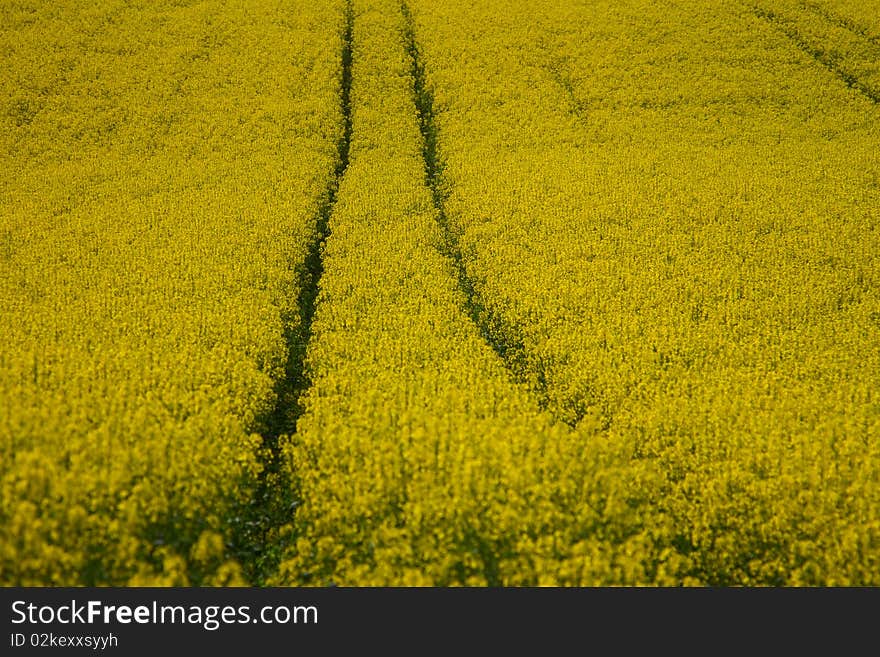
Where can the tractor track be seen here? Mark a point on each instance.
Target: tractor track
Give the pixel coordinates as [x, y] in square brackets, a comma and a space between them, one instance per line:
[256, 544]
[505, 339]
[817, 53]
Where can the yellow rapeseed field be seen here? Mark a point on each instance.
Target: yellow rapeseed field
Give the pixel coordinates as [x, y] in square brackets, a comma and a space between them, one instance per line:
[433, 292]
[162, 165]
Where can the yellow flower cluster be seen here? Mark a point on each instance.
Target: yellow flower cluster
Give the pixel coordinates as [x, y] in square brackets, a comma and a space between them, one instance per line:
[674, 210]
[161, 168]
